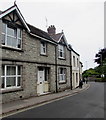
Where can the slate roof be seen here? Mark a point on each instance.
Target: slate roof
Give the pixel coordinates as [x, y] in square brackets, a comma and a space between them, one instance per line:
[39, 32]
[0, 11]
[57, 36]
[70, 47]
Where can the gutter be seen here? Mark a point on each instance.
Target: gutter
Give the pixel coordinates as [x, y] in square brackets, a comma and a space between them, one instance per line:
[70, 71]
[43, 38]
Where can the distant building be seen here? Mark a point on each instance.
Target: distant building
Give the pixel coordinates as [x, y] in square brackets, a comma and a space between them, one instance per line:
[34, 62]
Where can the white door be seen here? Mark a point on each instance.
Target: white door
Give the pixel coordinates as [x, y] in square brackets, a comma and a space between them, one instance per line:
[40, 84]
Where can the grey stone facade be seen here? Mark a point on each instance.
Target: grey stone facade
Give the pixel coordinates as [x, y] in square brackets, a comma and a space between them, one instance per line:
[31, 60]
[64, 63]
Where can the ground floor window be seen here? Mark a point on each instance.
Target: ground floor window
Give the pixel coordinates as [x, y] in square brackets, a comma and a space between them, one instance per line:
[11, 76]
[62, 74]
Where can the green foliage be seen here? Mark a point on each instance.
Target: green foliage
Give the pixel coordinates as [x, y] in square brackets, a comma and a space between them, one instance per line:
[90, 72]
[100, 56]
[101, 69]
[98, 69]
[99, 72]
[100, 80]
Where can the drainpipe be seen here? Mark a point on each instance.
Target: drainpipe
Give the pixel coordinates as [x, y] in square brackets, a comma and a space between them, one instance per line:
[70, 71]
[56, 68]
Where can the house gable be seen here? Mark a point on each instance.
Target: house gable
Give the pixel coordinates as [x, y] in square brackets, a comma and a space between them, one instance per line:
[62, 40]
[13, 16]
[13, 19]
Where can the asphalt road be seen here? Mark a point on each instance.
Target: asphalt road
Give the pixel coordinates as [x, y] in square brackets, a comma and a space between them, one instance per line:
[87, 104]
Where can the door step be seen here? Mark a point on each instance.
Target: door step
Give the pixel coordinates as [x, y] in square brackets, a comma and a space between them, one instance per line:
[46, 93]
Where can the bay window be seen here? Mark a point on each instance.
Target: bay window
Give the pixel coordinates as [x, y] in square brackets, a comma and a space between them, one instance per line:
[11, 36]
[11, 76]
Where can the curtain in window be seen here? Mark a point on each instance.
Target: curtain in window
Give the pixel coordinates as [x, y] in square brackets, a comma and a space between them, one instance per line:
[11, 36]
[61, 51]
[62, 72]
[10, 81]
[11, 70]
[11, 76]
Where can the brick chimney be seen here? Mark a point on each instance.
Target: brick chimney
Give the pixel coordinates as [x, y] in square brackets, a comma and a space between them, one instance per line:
[51, 30]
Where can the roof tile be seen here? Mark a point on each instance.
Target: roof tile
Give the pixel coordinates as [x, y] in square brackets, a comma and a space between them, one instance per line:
[39, 32]
[56, 37]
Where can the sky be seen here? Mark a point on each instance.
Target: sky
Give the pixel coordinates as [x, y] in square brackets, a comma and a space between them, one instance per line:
[82, 22]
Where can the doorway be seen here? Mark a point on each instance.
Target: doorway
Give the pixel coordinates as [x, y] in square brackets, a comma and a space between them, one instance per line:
[42, 83]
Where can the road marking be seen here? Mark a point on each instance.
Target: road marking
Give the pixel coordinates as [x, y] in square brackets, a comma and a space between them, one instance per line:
[41, 104]
[35, 106]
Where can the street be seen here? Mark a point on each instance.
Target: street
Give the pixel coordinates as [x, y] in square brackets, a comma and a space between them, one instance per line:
[87, 104]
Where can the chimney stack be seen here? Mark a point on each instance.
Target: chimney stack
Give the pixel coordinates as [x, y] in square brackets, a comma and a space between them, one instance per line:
[51, 30]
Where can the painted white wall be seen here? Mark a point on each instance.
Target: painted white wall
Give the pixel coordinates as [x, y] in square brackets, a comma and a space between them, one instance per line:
[75, 69]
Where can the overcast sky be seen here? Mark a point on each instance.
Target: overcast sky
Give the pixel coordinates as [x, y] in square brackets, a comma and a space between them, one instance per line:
[81, 20]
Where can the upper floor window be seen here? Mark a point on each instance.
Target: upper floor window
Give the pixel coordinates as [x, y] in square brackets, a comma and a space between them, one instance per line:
[11, 37]
[11, 76]
[62, 74]
[43, 48]
[61, 51]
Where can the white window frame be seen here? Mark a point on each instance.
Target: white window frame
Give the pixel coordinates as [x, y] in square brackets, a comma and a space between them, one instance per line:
[5, 76]
[61, 50]
[17, 38]
[62, 75]
[43, 48]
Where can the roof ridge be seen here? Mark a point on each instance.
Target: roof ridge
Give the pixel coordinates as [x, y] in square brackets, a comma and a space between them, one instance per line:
[40, 32]
[37, 28]
[59, 33]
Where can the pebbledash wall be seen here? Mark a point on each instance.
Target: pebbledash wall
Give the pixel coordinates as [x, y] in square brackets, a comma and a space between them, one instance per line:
[30, 59]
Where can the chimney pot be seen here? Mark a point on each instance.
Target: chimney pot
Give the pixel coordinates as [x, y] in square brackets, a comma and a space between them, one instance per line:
[51, 30]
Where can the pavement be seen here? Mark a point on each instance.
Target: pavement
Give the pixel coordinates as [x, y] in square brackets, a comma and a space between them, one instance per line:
[23, 104]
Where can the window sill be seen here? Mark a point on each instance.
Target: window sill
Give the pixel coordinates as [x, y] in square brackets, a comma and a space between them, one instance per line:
[44, 55]
[9, 90]
[11, 48]
[61, 58]
[62, 82]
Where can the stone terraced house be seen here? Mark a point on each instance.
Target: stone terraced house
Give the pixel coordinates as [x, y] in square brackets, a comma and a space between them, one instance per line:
[33, 62]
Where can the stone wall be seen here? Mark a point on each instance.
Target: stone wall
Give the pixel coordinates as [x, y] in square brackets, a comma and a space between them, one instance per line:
[64, 63]
[30, 59]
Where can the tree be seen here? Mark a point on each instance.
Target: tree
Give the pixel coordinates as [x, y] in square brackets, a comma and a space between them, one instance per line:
[100, 56]
[101, 60]
[90, 72]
